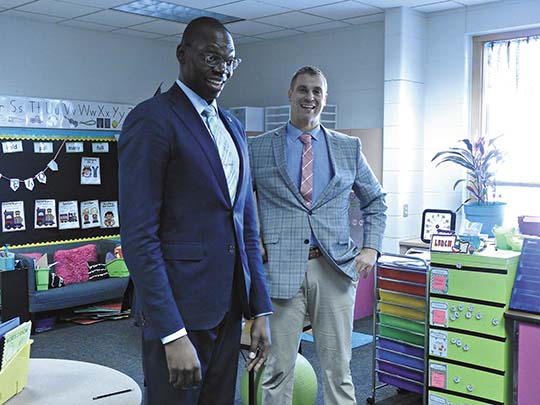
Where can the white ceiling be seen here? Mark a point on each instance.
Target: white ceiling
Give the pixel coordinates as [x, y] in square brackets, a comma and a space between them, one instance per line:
[263, 19]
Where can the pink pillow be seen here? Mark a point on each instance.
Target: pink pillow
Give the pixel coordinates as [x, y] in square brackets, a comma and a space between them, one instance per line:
[35, 256]
[71, 264]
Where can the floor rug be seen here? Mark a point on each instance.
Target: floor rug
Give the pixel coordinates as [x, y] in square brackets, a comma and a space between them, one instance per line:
[358, 339]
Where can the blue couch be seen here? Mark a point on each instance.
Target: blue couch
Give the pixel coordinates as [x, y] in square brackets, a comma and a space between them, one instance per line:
[71, 295]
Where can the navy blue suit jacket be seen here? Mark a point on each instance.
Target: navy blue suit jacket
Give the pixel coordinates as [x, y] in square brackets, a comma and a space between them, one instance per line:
[181, 235]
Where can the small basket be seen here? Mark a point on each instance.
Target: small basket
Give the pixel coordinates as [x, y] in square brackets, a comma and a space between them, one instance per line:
[42, 279]
[117, 268]
[7, 262]
[529, 225]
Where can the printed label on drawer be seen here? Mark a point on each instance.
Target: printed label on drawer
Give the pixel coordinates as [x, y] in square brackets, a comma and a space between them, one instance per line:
[438, 314]
[437, 375]
[438, 343]
[439, 281]
[437, 400]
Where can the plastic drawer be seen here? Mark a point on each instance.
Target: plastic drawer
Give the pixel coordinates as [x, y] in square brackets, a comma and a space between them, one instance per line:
[396, 310]
[401, 275]
[396, 381]
[401, 347]
[404, 287]
[401, 335]
[401, 371]
[402, 299]
[402, 359]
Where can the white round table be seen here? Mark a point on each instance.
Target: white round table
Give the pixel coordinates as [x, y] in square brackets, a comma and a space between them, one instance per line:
[56, 382]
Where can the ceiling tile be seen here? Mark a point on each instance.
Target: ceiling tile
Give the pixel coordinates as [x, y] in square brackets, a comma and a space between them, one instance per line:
[279, 34]
[250, 28]
[138, 34]
[293, 19]
[87, 25]
[97, 3]
[200, 4]
[324, 26]
[116, 18]
[14, 3]
[32, 16]
[172, 39]
[246, 40]
[342, 10]
[365, 19]
[439, 6]
[298, 4]
[57, 9]
[161, 27]
[248, 9]
[396, 3]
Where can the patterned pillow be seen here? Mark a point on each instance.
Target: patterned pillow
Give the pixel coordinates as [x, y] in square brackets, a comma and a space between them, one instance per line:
[71, 264]
[97, 271]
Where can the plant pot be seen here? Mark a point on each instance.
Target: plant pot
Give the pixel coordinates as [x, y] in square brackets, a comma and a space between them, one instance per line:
[488, 215]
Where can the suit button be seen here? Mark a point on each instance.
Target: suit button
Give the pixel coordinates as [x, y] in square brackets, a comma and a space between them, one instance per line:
[306, 241]
[310, 212]
[231, 249]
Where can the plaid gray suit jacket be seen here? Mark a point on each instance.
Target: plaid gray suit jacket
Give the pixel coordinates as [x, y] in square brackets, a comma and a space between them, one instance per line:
[287, 223]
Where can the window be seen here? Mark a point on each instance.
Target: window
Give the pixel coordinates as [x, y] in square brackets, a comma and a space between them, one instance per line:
[506, 96]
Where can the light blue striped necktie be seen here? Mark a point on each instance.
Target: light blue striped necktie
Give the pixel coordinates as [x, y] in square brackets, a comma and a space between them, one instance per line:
[226, 149]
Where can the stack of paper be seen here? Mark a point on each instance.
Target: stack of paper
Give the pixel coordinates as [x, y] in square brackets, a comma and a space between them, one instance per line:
[13, 336]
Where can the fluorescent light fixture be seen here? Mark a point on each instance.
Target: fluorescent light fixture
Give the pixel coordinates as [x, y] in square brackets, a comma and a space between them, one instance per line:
[171, 12]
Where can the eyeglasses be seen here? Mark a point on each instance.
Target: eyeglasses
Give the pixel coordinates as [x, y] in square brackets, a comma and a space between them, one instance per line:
[214, 60]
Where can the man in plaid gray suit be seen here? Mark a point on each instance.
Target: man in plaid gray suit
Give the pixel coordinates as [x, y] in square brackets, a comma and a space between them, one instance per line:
[303, 174]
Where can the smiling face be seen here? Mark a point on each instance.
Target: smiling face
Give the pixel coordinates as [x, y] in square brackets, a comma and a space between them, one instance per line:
[203, 79]
[307, 97]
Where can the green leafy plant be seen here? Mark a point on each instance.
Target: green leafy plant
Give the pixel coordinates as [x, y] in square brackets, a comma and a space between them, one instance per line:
[479, 158]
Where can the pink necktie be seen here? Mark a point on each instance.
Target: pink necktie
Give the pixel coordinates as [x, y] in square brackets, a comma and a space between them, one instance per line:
[306, 184]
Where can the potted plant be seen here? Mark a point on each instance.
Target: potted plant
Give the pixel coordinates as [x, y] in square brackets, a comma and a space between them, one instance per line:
[479, 158]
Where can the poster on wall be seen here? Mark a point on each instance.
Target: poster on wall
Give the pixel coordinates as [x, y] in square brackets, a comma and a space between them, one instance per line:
[33, 112]
[109, 214]
[90, 217]
[13, 216]
[90, 171]
[45, 214]
[68, 215]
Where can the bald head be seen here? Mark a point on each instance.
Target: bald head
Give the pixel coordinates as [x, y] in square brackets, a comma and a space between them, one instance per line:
[201, 26]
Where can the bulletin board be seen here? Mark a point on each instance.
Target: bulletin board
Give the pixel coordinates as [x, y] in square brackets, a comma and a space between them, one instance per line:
[51, 165]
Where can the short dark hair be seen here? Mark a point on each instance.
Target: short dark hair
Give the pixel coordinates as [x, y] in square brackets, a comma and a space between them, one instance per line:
[195, 26]
[310, 70]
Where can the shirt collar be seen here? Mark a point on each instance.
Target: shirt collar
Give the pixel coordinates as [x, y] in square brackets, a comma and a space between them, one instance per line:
[198, 102]
[295, 133]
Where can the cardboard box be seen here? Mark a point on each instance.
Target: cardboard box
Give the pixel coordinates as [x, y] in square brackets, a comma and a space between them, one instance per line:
[14, 375]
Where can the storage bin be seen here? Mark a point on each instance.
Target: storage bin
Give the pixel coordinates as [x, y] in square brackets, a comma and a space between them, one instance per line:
[409, 337]
[404, 287]
[401, 347]
[401, 299]
[399, 358]
[417, 375]
[7, 262]
[529, 225]
[117, 268]
[401, 383]
[402, 275]
[14, 375]
[42, 279]
[407, 324]
[409, 313]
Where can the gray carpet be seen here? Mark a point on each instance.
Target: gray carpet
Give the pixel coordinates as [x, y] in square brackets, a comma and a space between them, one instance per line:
[116, 344]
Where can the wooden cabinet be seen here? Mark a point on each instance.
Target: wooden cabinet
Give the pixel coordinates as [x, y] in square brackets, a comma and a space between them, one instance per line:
[469, 340]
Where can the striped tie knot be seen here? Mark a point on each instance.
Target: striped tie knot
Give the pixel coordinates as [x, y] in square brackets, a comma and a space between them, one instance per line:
[306, 138]
[209, 111]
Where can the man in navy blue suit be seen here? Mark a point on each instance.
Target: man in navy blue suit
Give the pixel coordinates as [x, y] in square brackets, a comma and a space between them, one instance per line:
[189, 230]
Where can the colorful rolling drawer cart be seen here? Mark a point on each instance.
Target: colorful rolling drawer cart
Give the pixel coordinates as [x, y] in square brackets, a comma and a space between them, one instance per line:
[399, 323]
[470, 346]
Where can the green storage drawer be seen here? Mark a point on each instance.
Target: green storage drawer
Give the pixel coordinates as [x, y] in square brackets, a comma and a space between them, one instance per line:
[440, 398]
[464, 380]
[485, 319]
[470, 349]
[401, 335]
[485, 286]
[487, 259]
[407, 324]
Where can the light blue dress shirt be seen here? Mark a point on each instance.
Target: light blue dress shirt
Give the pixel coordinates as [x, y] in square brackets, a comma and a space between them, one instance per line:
[322, 169]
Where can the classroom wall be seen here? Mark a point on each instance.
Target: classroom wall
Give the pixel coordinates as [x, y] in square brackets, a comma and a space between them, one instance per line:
[55, 61]
[352, 59]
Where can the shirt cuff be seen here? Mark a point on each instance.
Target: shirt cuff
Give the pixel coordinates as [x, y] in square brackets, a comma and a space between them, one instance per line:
[263, 314]
[176, 335]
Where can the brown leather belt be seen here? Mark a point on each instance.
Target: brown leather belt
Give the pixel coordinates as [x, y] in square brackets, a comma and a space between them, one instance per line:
[314, 252]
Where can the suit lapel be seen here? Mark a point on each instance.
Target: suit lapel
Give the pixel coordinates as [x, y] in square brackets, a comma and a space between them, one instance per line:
[334, 150]
[193, 121]
[278, 145]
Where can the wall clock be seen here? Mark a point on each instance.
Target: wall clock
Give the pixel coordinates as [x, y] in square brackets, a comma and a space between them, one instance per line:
[434, 220]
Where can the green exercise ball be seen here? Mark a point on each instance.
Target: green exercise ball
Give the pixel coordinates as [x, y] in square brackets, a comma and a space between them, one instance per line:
[304, 389]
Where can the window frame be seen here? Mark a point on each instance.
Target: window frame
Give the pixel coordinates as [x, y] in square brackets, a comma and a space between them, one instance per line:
[477, 81]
